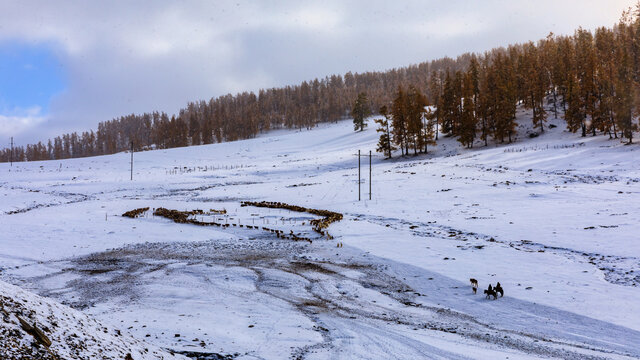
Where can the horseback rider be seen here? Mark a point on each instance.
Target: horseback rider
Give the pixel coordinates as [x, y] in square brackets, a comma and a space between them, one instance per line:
[499, 289]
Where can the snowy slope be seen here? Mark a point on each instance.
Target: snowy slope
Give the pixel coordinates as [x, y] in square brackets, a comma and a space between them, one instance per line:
[73, 335]
[551, 218]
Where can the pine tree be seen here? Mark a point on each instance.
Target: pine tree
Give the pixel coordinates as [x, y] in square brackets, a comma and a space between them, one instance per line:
[360, 111]
[384, 142]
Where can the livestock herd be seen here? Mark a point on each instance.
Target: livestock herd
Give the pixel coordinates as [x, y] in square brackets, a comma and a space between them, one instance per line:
[189, 217]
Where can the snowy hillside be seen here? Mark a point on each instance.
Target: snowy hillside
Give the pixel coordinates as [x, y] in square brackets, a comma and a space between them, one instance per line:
[552, 218]
[72, 334]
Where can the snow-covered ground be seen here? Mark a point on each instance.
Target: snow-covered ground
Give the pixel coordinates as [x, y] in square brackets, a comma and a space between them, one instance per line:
[73, 335]
[552, 218]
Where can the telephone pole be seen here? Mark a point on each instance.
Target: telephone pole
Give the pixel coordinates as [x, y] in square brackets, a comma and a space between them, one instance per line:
[369, 174]
[132, 161]
[359, 177]
[11, 153]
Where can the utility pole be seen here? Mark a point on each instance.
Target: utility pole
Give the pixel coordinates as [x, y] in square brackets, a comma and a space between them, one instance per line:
[359, 175]
[369, 174]
[11, 153]
[132, 161]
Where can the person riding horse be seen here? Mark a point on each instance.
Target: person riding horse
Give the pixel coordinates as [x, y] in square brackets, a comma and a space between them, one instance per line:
[498, 289]
[490, 292]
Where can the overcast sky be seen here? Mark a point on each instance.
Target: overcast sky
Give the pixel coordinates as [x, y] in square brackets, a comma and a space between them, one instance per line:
[66, 65]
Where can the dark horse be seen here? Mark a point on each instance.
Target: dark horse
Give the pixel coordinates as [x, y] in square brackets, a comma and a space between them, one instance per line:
[491, 292]
[499, 289]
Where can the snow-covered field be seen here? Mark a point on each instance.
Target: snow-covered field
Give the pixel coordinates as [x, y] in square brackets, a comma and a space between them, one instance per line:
[553, 219]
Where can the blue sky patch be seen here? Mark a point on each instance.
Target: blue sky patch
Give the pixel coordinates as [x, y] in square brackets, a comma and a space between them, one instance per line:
[29, 76]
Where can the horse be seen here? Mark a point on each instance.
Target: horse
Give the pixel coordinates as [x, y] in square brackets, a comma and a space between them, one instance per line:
[490, 292]
[474, 285]
[499, 289]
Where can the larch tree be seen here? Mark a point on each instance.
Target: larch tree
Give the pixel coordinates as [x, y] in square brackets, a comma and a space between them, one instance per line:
[548, 57]
[415, 108]
[483, 100]
[605, 70]
[399, 122]
[624, 104]
[468, 120]
[194, 129]
[534, 83]
[450, 103]
[585, 72]
[502, 93]
[429, 130]
[435, 91]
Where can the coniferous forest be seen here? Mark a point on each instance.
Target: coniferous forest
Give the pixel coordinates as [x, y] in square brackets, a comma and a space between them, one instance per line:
[591, 78]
